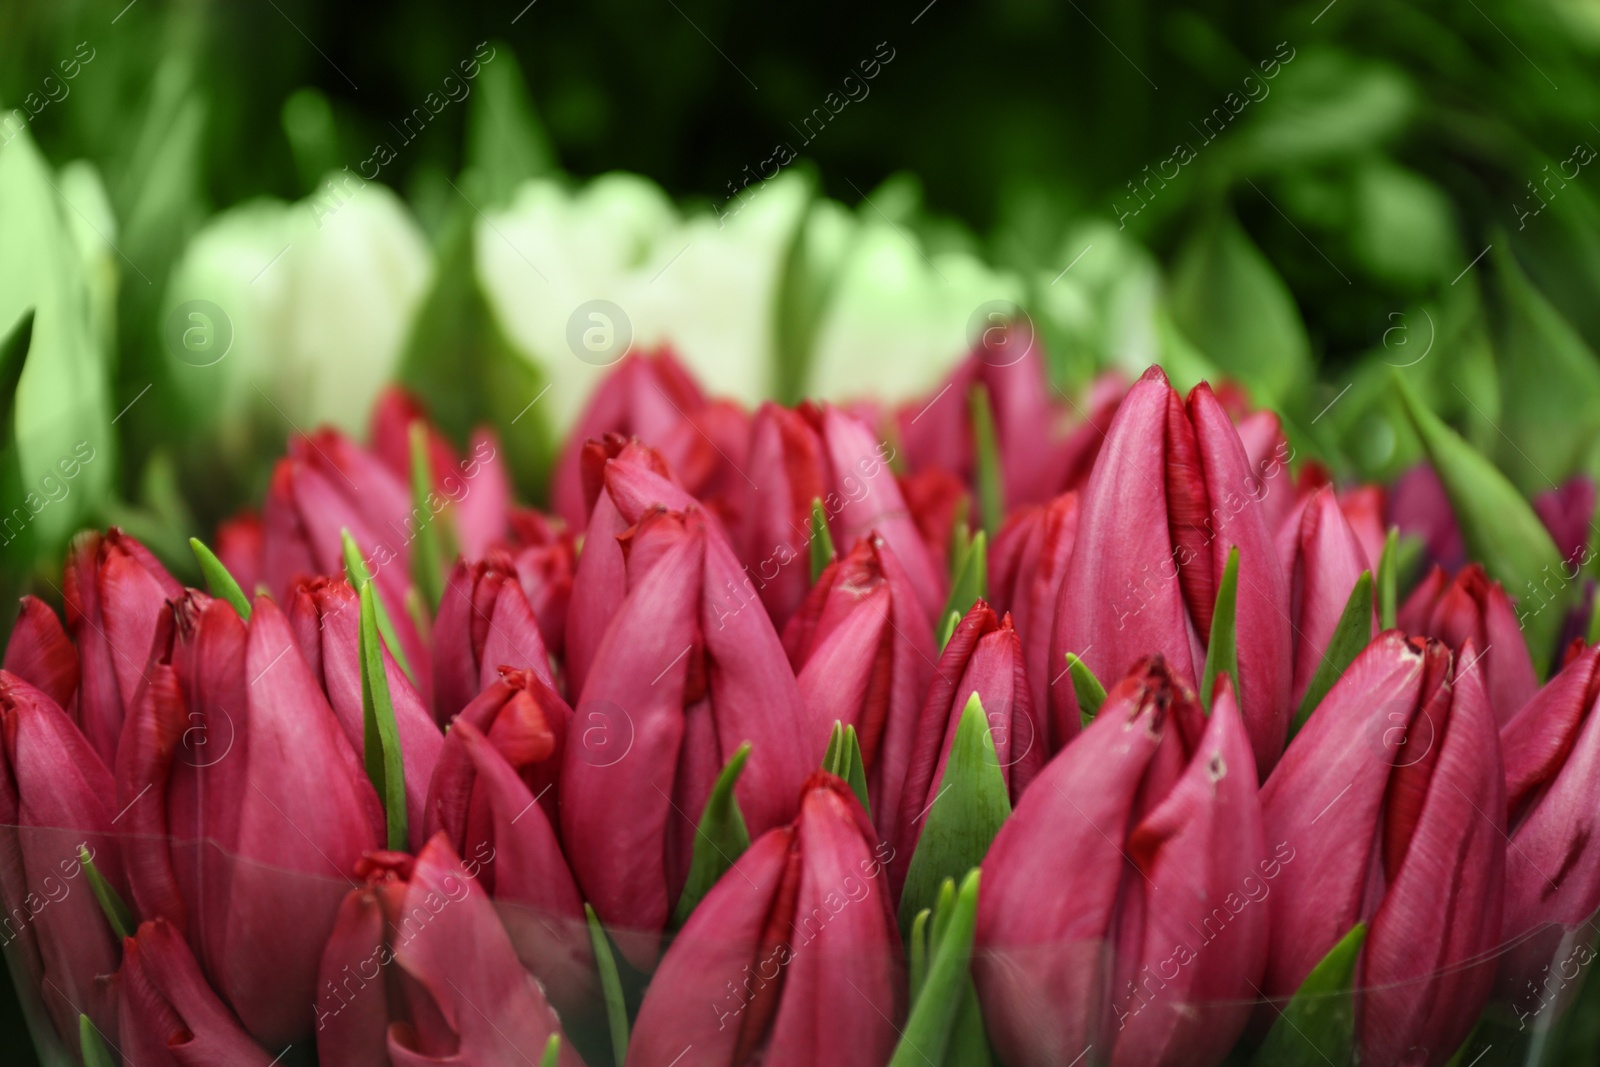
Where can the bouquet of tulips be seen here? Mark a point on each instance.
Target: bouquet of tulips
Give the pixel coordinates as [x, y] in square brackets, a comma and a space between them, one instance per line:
[1000, 727]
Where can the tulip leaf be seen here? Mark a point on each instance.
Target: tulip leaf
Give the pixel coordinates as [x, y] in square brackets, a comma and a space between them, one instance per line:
[1389, 581]
[970, 580]
[1317, 1026]
[218, 580]
[427, 554]
[843, 758]
[917, 953]
[991, 483]
[610, 984]
[1499, 527]
[929, 1028]
[969, 1042]
[1090, 693]
[117, 912]
[721, 838]
[505, 141]
[92, 1046]
[1222, 650]
[947, 631]
[1351, 634]
[552, 1052]
[355, 569]
[822, 550]
[380, 739]
[1592, 635]
[962, 818]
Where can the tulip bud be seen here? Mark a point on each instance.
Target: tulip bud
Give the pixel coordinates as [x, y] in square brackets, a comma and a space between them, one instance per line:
[1027, 565]
[684, 675]
[1568, 513]
[546, 557]
[1419, 507]
[1324, 562]
[774, 531]
[168, 1015]
[937, 500]
[241, 546]
[114, 590]
[798, 932]
[1472, 608]
[40, 654]
[1171, 495]
[455, 992]
[1122, 901]
[1392, 801]
[863, 653]
[484, 624]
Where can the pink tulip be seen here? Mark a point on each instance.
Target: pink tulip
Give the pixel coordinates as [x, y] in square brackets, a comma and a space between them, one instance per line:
[546, 557]
[169, 1016]
[527, 722]
[1419, 507]
[241, 546]
[1027, 564]
[1568, 513]
[55, 797]
[1122, 903]
[484, 624]
[682, 678]
[1172, 492]
[863, 652]
[1472, 608]
[792, 958]
[1392, 801]
[418, 971]
[114, 590]
[775, 520]
[40, 654]
[1325, 559]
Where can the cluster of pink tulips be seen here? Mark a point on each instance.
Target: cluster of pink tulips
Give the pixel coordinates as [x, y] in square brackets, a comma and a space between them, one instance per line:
[993, 729]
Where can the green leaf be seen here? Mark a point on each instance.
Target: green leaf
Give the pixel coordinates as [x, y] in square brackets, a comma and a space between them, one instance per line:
[971, 581]
[1388, 580]
[809, 274]
[1090, 693]
[92, 1045]
[611, 985]
[1351, 634]
[506, 143]
[843, 758]
[969, 1042]
[552, 1052]
[720, 839]
[822, 550]
[1317, 1026]
[1222, 651]
[963, 817]
[355, 569]
[991, 483]
[380, 741]
[917, 953]
[1592, 635]
[218, 580]
[927, 1035]
[117, 912]
[427, 554]
[1499, 527]
[948, 629]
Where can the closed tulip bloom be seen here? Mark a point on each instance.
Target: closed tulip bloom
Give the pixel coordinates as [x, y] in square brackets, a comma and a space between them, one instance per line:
[527, 722]
[325, 614]
[40, 653]
[168, 1015]
[1552, 761]
[984, 657]
[791, 959]
[418, 971]
[546, 557]
[484, 624]
[682, 678]
[1567, 512]
[1393, 802]
[863, 653]
[1472, 608]
[1325, 559]
[1419, 506]
[1027, 564]
[114, 590]
[774, 534]
[245, 841]
[492, 818]
[937, 500]
[1123, 902]
[55, 796]
[1172, 492]
[241, 545]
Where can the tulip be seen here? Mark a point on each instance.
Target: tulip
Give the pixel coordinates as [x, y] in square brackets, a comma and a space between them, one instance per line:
[1419, 507]
[1073, 950]
[1552, 761]
[114, 590]
[168, 1015]
[792, 956]
[1392, 802]
[40, 654]
[863, 653]
[244, 849]
[55, 798]
[984, 657]
[683, 677]
[527, 722]
[546, 557]
[775, 520]
[1171, 494]
[457, 993]
[1567, 511]
[241, 545]
[1027, 564]
[1472, 608]
[325, 614]
[938, 501]
[484, 624]
[1324, 561]
[490, 815]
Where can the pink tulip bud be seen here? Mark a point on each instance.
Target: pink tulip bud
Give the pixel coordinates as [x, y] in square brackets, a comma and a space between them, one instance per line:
[545, 554]
[484, 624]
[775, 531]
[40, 654]
[1325, 559]
[1027, 564]
[1472, 608]
[169, 1015]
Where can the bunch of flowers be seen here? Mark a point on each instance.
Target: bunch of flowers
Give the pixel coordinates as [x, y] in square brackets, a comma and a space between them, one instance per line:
[997, 727]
